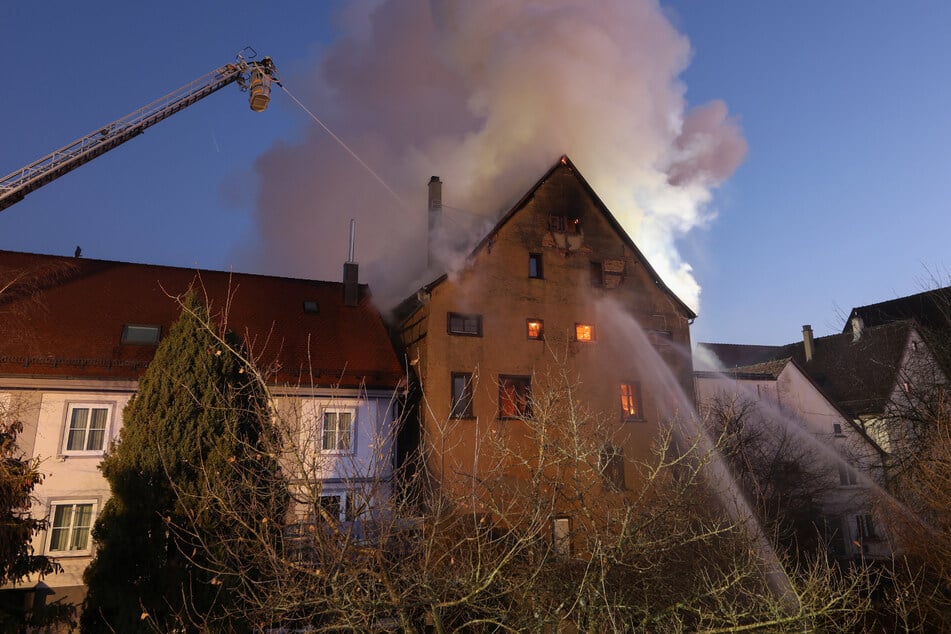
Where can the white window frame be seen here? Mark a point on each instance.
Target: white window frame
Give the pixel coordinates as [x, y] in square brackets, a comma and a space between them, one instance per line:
[54, 504]
[67, 425]
[353, 429]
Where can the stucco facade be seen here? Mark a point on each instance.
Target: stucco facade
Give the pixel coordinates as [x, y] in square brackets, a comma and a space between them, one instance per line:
[555, 289]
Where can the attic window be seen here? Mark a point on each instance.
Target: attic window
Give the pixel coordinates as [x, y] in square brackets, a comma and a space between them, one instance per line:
[141, 334]
[564, 224]
[311, 307]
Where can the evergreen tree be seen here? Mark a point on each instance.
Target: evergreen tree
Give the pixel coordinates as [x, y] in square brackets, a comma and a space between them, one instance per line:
[18, 477]
[196, 432]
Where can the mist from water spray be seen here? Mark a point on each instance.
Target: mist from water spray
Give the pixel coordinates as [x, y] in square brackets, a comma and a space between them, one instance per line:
[688, 428]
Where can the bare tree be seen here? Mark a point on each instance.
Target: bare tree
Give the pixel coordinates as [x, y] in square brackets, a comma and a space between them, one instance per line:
[646, 546]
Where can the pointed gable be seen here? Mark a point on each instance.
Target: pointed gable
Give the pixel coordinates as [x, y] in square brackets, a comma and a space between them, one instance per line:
[566, 195]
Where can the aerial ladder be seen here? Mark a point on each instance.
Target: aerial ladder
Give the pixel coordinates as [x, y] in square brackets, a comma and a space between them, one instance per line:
[252, 76]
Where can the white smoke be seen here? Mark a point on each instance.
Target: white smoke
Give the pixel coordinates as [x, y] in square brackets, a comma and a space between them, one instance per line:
[488, 95]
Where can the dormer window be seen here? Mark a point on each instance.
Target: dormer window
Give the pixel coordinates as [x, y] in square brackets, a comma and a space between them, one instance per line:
[141, 334]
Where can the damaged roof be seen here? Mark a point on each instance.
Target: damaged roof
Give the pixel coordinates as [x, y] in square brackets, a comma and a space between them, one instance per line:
[408, 306]
[65, 317]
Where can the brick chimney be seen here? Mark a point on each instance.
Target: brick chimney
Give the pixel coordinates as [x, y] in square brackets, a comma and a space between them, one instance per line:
[435, 211]
[807, 343]
[351, 274]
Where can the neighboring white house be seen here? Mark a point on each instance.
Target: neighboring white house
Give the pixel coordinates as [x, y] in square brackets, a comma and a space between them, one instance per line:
[786, 396]
[75, 335]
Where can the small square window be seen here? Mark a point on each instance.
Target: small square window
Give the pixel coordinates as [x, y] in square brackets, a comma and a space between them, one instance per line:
[557, 224]
[631, 401]
[584, 332]
[337, 431]
[514, 396]
[141, 334]
[311, 307]
[460, 324]
[70, 526]
[536, 329]
[461, 395]
[535, 265]
[87, 428]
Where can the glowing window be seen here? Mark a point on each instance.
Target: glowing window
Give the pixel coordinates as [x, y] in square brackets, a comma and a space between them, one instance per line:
[514, 396]
[536, 329]
[584, 332]
[631, 401]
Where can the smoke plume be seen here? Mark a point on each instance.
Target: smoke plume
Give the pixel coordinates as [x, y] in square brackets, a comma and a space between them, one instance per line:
[488, 95]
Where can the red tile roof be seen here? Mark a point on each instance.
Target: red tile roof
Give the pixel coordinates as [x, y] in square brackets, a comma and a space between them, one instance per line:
[63, 316]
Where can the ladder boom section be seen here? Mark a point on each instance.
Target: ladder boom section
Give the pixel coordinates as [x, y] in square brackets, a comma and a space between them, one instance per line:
[17, 184]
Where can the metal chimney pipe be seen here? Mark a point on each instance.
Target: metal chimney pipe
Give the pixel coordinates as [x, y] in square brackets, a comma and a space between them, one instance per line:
[351, 273]
[435, 210]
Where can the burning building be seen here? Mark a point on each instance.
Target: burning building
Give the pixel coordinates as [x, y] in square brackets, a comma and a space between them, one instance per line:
[528, 329]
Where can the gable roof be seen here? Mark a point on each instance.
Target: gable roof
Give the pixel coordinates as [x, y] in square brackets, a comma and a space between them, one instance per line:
[931, 309]
[64, 317]
[563, 164]
[858, 375]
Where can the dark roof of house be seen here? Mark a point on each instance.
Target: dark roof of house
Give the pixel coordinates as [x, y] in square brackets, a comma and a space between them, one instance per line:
[65, 317]
[408, 306]
[931, 309]
[858, 375]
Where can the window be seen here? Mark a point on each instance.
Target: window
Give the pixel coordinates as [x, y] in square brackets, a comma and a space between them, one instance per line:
[86, 428]
[846, 475]
[461, 395]
[134, 334]
[337, 431]
[330, 507]
[557, 223]
[70, 526]
[460, 324]
[611, 465]
[536, 329]
[837, 429]
[865, 526]
[535, 265]
[561, 536]
[311, 306]
[597, 274]
[631, 401]
[584, 332]
[514, 396]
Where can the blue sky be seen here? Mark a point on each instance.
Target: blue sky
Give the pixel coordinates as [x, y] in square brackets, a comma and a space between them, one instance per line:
[840, 201]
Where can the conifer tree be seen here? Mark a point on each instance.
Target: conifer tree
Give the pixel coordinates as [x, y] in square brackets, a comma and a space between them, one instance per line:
[198, 424]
